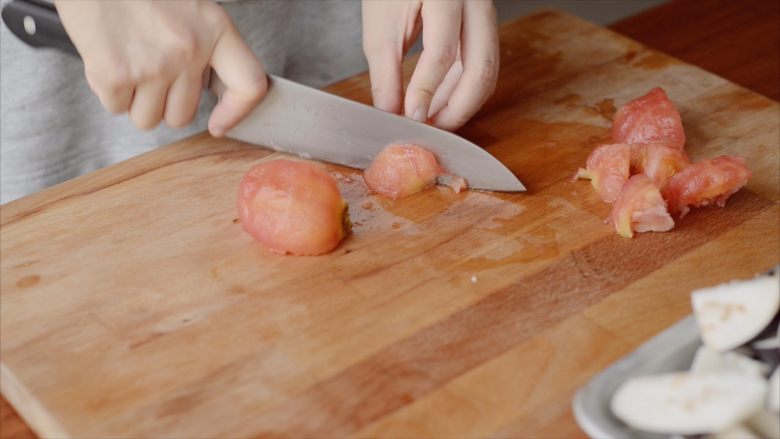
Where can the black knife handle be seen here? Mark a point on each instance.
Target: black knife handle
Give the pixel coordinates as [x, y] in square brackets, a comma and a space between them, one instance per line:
[37, 23]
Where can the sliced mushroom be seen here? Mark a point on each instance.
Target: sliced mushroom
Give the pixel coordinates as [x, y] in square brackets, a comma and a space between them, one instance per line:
[732, 314]
[687, 403]
[711, 361]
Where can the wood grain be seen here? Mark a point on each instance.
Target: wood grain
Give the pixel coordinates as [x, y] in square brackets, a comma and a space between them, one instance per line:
[739, 41]
[134, 306]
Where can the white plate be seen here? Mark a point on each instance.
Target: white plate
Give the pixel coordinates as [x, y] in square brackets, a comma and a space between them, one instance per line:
[671, 350]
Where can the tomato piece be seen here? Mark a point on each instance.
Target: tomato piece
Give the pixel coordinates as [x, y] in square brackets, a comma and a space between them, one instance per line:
[607, 169]
[659, 162]
[652, 118]
[640, 208]
[401, 170]
[705, 183]
[293, 207]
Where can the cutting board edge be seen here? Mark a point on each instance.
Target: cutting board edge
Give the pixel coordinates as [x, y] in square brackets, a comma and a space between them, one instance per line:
[110, 175]
[29, 408]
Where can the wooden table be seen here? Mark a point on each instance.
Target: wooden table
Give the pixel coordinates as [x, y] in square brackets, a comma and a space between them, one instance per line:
[737, 40]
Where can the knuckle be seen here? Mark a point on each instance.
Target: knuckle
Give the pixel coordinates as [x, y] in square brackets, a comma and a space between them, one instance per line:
[183, 47]
[143, 122]
[215, 15]
[111, 79]
[385, 91]
[443, 55]
[179, 120]
[179, 116]
[256, 89]
[424, 94]
[148, 70]
[113, 106]
[117, 79]
[489, 71]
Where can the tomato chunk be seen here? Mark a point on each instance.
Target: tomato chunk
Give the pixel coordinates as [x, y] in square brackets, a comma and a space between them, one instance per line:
[293, 207]
[706, 182]
[651, 118]
[607, 169]
[401, 170]
[659, 162]
[640, 208]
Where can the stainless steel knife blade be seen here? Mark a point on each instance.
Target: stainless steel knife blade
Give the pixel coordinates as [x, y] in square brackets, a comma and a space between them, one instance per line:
[310, 123]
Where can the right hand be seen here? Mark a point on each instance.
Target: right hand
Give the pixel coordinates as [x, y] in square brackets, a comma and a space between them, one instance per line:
[148, 58]
[458, 67]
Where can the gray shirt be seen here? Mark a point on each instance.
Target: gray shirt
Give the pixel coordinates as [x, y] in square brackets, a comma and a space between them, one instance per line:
[52, 128]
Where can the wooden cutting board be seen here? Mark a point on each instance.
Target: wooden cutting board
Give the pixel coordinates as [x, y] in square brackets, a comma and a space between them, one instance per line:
[133, 305]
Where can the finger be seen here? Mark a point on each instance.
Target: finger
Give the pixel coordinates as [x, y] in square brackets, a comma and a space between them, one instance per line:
[446, 88]
[384, 70]
[480, 66]
[146, 110]
[183, 98]
[115, 94]
[383, 47]
[243, 75]
[441, 35]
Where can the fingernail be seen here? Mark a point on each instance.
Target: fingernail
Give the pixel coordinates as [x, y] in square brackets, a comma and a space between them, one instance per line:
[420, 114]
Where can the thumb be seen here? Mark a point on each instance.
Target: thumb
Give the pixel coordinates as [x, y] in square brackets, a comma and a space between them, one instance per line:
[244, 79]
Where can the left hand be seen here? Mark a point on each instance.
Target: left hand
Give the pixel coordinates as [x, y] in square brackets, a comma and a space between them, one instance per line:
[457, 69]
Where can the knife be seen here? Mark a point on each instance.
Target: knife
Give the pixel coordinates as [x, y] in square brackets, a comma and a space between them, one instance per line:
[301, 120]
